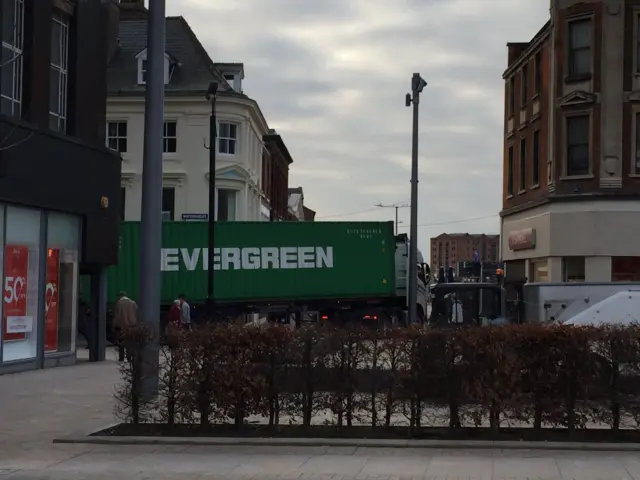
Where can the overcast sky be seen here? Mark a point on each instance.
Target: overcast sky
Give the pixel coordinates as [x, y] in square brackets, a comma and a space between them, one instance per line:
[331, 75]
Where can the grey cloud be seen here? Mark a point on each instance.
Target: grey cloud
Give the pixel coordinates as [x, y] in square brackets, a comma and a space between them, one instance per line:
[350, 155]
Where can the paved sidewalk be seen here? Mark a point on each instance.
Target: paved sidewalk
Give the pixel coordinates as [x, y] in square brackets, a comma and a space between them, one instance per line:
[37, 406]
[270, 463]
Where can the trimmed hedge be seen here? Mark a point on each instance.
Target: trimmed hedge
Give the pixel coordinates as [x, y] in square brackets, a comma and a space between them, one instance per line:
[529, 375]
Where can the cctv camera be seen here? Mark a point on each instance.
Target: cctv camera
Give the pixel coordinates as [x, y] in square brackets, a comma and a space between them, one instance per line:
[407, 100]
[418, 83]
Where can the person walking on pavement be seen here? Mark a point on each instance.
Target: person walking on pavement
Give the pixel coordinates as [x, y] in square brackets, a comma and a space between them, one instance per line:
[125, 315]
[185, 312]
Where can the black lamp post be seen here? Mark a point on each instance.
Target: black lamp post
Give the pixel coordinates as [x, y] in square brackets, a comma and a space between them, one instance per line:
[211, 96]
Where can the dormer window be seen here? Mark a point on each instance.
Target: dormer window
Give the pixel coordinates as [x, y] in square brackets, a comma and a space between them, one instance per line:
[143, 66]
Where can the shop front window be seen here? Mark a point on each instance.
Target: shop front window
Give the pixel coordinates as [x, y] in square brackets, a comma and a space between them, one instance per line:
[20, 280]
[61, 296]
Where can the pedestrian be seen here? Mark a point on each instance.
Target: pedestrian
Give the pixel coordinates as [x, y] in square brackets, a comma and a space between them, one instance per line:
[174, 317]
[185, 312]
[125, 315]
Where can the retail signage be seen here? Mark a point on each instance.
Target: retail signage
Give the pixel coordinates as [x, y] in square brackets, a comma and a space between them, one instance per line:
[16, 275]
[195, 216]
[524, 239]
[52, 298]
[17, 325]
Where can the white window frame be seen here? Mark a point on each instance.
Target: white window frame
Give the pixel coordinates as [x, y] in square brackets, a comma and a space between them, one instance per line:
[15, 63]
[220, 138]
[166, 137]
[142, 57]
[118, 137]
[58, 115]
[166, 214]
[236, 194]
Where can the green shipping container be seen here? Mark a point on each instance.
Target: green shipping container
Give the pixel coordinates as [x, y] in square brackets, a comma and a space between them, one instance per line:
[266, 261]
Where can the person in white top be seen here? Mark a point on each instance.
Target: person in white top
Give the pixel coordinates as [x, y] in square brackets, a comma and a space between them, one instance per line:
[185, 311]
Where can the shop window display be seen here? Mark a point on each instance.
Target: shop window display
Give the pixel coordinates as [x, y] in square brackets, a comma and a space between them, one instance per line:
[20, 280]
[61, 296]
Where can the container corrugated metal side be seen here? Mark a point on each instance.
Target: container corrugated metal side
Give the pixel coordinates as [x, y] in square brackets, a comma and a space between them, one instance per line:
[315, 261]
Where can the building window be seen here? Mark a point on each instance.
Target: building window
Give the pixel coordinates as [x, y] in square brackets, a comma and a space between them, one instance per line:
[123, 202]
[227, 138]
[59, 73]
[578, 145]
[143, 66]
[580, 33]
[537, 78]
[535, 159]
[142, 74]
[62, 273]
[512, 96]
[523, 164]
[524, 86]
[170, 137]
[168, 203]
[12, 14]
[638, 44]
[226, 205]
[117, 136]
[635, 168]
[510, 172]
[573, 269]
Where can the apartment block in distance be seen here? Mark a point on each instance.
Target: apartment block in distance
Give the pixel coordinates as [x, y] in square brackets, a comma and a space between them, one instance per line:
[571, 182]
[448, 249]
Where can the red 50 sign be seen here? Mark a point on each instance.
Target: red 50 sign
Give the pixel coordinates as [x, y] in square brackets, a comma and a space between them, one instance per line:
[14, 289]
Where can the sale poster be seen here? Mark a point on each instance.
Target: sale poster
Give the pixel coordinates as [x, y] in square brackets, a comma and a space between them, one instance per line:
[51, 309]
[16, 269]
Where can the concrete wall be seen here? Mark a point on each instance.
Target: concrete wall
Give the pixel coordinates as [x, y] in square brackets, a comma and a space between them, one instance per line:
[584, 228]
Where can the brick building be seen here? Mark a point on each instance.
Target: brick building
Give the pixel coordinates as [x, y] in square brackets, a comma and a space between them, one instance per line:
[276, 160]
[571, 183]
[448, 249]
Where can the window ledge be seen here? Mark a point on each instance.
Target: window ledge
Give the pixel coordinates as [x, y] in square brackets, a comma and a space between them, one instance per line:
[522, 192]
[534, 117]
[577, 177]
[523, 125]
[578, 78]
[510, 196]
[536, 96]
[634, 175]
[533, 187]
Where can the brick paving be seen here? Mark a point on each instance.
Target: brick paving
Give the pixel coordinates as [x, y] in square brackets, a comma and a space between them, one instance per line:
[41, 405]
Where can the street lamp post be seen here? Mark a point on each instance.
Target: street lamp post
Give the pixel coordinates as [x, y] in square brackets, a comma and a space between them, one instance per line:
[396, 206]
[211, 96]
[417, 85]
[151, 209]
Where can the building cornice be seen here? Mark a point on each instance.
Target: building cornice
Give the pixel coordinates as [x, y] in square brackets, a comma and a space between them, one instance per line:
[535, 43]
[252, 106]
[573, 197]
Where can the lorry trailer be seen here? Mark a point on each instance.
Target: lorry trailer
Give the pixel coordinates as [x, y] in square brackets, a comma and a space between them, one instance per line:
[333, 268]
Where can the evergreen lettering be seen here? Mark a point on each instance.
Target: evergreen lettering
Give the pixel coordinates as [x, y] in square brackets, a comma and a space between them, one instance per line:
[247, 258]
